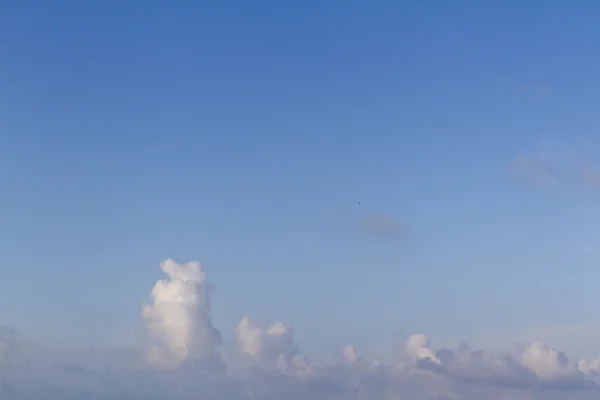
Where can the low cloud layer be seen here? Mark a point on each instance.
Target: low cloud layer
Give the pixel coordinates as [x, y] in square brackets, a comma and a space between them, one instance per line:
[180, 357]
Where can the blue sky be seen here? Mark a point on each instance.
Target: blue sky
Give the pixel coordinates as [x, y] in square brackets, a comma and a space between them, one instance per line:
[245, 135]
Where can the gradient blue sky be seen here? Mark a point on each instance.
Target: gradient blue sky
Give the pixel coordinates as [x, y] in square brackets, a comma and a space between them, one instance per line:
[244, 135]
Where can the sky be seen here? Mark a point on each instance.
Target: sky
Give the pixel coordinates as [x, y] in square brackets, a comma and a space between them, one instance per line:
[365, 171]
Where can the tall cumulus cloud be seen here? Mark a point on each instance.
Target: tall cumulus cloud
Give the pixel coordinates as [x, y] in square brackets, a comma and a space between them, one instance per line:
[179, 321]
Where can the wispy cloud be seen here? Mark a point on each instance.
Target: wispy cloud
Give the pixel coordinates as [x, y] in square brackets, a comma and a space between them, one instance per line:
[384, 226]
[559, 165]
[535, 171]
[539, 91]
[7, 342]
[591, 177]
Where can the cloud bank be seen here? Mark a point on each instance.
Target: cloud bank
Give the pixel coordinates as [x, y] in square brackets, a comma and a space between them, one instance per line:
[181, 356]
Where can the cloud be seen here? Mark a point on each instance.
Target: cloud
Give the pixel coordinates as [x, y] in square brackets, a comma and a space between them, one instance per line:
[274, 347]
[264, 344]
[535, 171]
[576, 337]
[384, 226]
[558, 165]
[181, 354]
[546, 363]
[418, 349]
[274, 366]
[350, 354]
[591, 177]
[7, 343]
[179, 319]
[537, 91]
[536, 367]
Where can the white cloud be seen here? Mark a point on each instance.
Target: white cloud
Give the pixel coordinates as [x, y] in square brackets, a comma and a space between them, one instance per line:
[179, 319]
[590, 368]
[576, 338]
[418, 349]
[350, 355]
[274, 347]
[269, 364]
[264, 344]
[545, 362]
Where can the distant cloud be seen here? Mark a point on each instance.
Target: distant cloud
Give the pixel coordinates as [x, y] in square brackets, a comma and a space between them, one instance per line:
[555, 166]
[350, 354]
[274, 347]
[179, 320]
[536, 171]
[384, 226]
[267, 363]
[591, 177]
[7, 342]
[539, 91]
[576, 337]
